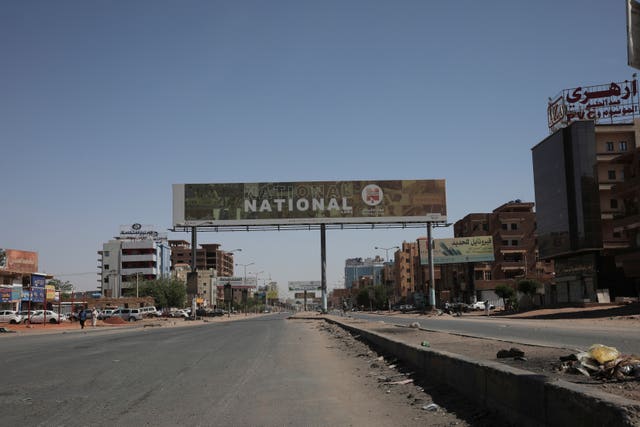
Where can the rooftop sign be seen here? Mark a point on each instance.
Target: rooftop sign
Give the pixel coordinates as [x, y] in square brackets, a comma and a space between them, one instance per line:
[605, 104]
[313, 202]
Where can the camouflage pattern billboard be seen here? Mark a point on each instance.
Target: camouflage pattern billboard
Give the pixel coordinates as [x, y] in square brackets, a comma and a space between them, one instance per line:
[313, 202]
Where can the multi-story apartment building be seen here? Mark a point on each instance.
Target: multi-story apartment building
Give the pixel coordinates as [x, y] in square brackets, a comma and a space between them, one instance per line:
[131, 258]
[576, 172]
[627, 222]
[409, 275]
[512, 227]
[208, 256]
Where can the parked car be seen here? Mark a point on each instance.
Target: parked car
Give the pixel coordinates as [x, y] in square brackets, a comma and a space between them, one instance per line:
[123, 313]
[41, 316]
[480, 305]
[180, 313]
[105, 314]
[10, 316]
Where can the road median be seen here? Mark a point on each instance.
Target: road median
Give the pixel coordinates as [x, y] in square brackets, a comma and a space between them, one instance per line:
[523, 397]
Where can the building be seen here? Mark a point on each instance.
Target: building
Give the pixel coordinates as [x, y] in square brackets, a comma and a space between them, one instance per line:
[627, 222]
[512, 227]
[19, 280]
[411, 278]
[208, 256]
[356, 268]
[576, 171]
[139, 253]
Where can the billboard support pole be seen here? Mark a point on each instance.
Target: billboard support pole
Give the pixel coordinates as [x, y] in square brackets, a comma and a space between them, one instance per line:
[323, 256]
[194, 247]
[432, 285]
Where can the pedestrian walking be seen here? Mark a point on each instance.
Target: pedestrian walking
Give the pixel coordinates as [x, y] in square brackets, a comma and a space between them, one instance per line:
[82, 317]
[94, 317]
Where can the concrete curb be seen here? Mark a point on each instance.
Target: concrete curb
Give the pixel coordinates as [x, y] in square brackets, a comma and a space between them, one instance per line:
[524, 398]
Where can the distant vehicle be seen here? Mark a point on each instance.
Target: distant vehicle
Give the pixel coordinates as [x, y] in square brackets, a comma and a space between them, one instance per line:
[480, 305]
[10, 316]
[105, 314]
[41, 316]
[123, 313]
[180, 313]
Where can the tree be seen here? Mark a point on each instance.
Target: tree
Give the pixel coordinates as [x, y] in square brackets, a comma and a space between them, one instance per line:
[505, 292]
[65, 288]
[166, 292]
[528, 286]
[363, 297]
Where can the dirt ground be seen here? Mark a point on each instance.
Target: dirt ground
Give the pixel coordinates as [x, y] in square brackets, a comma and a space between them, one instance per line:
[391, 383]
[543, 360]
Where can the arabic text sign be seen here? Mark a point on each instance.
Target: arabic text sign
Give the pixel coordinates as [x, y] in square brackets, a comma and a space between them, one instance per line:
[609, 103]
[458, 250]
[314, 202]
[312, 285]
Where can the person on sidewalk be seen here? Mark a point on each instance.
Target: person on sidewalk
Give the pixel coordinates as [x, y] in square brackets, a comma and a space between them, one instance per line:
[82, 317]
[94, 317]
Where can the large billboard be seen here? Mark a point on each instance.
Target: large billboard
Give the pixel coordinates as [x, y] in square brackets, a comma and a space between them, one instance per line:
[458, 250]
[18, 261]
[311, 285]
[314, 202]
[616, 102]
[249, 281]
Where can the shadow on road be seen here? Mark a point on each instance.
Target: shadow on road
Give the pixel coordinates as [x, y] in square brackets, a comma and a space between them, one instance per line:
[585, 313]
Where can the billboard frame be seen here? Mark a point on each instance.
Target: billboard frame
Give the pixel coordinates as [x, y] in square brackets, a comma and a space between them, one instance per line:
[180, 223]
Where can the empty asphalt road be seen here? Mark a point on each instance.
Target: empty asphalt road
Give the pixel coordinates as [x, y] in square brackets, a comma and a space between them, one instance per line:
[259, 371]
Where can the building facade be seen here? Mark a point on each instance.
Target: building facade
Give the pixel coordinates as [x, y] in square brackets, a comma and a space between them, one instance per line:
[208, 256]
[576, 169]
[512, 227]
[131, 258]
[356, 268]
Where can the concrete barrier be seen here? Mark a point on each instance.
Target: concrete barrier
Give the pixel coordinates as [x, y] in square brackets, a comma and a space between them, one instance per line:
[522, 397]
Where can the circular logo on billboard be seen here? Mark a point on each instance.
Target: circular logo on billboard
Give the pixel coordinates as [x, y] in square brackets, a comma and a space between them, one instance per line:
[136, 226]
[372, 195]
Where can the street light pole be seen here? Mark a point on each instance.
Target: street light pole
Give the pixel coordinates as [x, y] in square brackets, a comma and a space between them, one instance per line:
[386, 254]
[244, 278]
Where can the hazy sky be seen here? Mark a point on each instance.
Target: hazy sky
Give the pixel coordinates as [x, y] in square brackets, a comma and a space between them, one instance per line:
[105, 104]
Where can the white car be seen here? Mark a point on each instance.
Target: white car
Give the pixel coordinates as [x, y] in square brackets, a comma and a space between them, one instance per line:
[10, 316]
[40, 316]
[479, 305]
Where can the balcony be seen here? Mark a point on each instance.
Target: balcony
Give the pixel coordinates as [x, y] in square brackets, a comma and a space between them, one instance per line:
[140, 258]
[141, 271]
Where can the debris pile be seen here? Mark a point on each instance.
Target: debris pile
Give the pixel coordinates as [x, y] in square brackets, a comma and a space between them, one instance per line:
[602, 362]
[513, 352]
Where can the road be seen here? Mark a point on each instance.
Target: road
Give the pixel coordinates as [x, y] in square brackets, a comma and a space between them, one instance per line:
[555, 333]
[259, 371]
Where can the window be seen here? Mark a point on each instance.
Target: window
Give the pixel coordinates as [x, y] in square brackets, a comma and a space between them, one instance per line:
[106, 267]
[105, 253]
[609, 146]
[611, 175]
[505, 243]
[623, 145]
[485, 226]
[514, 243]
[504, 226]
[514, 226]
[614, 204]
[616, 234]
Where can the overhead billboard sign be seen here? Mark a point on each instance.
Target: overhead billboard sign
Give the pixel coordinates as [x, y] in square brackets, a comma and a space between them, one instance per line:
[18, 261]
[313, 202]
[237, 281]
[312, 285]
[458, 250]
[615, 102]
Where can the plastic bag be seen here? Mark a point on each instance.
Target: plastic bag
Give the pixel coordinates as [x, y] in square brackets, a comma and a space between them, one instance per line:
[602, 353]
